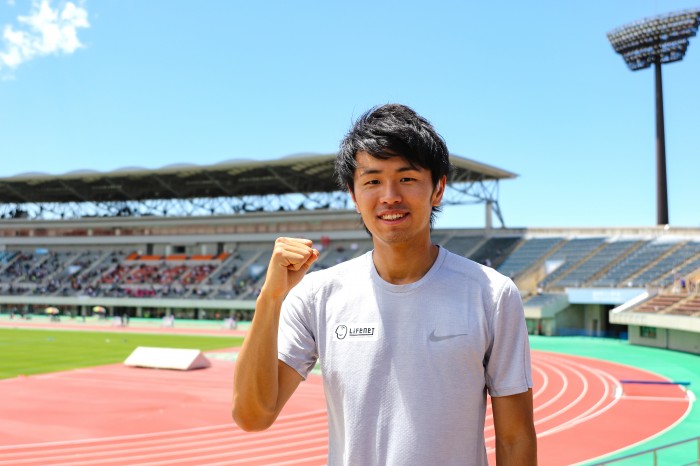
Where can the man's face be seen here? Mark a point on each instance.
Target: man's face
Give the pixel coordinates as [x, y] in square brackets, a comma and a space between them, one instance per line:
[394, 198]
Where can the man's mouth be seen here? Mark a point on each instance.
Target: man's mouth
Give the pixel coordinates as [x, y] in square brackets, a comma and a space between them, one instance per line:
[395, 216]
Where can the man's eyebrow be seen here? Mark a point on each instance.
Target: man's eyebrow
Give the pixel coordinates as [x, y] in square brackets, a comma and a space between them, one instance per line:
[374, 171]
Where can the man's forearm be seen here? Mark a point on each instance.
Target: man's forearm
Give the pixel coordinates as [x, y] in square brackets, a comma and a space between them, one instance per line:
[255, 383]
[516, 440]
[522, 452]
[262, 384]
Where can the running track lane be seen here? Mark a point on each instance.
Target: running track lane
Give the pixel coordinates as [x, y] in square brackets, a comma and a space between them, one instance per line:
[117, 415]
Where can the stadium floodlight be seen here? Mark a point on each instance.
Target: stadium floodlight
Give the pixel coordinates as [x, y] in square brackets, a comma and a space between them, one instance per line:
[659, 40]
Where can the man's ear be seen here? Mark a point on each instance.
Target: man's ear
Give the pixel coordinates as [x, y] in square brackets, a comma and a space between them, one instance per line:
[439, 191]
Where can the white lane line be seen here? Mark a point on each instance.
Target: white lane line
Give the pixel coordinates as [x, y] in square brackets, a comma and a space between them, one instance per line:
[545, 380]
[167, 446]
[177, 432]
[647, 439]
[594, 411]
[177, 455]
[552, 367]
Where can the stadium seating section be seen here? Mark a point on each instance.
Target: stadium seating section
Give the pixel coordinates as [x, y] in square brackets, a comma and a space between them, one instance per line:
[608, 262]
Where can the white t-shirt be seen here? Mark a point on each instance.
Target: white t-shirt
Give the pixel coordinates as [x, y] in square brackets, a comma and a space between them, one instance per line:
[406, 367]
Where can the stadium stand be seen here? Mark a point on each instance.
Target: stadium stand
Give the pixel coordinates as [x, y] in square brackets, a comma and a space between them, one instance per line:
[568, 257]
[621, 272]
[596, 264]
[337, 252]
[463, 245]
[680, 253]
[542, 299]
[531, 252]
[690, 306]
[607, 281]
[495, 249]
[683, 268]
[659, 303]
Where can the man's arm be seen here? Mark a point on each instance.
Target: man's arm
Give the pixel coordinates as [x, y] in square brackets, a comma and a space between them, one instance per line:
[262, 384]
[516, 441]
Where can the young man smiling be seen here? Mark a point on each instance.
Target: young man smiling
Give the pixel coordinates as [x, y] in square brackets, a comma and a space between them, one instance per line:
[410, 337]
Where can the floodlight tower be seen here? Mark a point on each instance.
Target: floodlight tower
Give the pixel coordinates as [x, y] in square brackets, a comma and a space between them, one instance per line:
[658, 40]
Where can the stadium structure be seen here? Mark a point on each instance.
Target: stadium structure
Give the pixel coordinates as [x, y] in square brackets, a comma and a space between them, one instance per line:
[194, 241]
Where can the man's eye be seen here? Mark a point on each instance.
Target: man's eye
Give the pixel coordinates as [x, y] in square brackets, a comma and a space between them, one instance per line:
[406, 179]
[372, 182]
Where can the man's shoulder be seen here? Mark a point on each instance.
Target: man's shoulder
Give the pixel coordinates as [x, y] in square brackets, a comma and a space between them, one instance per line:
[479, 280]
[474, 271]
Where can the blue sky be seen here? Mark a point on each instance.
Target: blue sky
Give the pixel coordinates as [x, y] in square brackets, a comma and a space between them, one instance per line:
[531, 87]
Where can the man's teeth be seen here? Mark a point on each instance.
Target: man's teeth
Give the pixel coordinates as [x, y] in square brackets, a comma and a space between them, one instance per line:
[392, 216]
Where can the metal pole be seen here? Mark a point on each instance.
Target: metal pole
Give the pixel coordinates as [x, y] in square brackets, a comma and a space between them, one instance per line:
[489, 216]
[661, 188]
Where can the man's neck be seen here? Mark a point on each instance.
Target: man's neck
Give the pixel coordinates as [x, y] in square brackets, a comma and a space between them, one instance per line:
[403, 264]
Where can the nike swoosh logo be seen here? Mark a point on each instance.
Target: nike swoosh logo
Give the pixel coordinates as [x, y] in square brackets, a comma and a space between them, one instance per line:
[434, 337]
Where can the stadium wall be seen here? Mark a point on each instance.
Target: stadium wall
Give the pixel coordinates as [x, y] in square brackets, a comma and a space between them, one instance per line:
[676, 332]
[572, 319]
[275, 223]
[665, 338]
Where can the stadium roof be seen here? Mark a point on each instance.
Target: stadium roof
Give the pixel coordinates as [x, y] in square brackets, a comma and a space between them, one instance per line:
[304, 173]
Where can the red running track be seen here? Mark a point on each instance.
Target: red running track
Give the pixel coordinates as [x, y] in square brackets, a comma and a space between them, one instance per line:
[118, 415]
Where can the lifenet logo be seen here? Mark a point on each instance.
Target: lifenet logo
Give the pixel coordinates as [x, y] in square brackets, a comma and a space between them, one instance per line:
[341, 332]
[356, 332]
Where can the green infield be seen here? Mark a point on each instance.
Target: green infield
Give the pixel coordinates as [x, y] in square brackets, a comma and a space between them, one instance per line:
[27, 352]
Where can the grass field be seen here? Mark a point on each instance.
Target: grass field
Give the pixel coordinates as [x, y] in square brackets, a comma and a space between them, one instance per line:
[27, 352]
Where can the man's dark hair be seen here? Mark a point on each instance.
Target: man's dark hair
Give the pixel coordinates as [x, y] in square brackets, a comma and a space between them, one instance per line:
[393, 130]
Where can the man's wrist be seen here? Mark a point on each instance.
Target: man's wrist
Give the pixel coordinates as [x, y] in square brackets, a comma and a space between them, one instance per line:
[269, 298]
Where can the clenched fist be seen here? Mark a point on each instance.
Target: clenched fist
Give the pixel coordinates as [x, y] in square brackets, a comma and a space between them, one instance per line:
[291, 259]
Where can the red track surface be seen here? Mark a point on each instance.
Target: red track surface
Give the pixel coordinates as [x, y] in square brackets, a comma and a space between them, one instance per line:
[118, 415]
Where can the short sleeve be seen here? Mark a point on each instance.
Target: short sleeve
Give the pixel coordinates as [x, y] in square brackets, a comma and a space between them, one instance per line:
[296, 345]
[507, 364]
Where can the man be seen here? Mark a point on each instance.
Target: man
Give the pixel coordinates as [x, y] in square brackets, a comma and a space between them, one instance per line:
[410, 336]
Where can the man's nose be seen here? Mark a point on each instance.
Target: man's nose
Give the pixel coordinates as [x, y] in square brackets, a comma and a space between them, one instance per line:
[391, 193]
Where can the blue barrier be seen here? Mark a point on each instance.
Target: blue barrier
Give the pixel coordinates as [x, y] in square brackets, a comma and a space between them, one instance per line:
[656, 382]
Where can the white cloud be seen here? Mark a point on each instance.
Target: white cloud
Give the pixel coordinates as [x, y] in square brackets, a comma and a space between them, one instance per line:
[45, 31]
